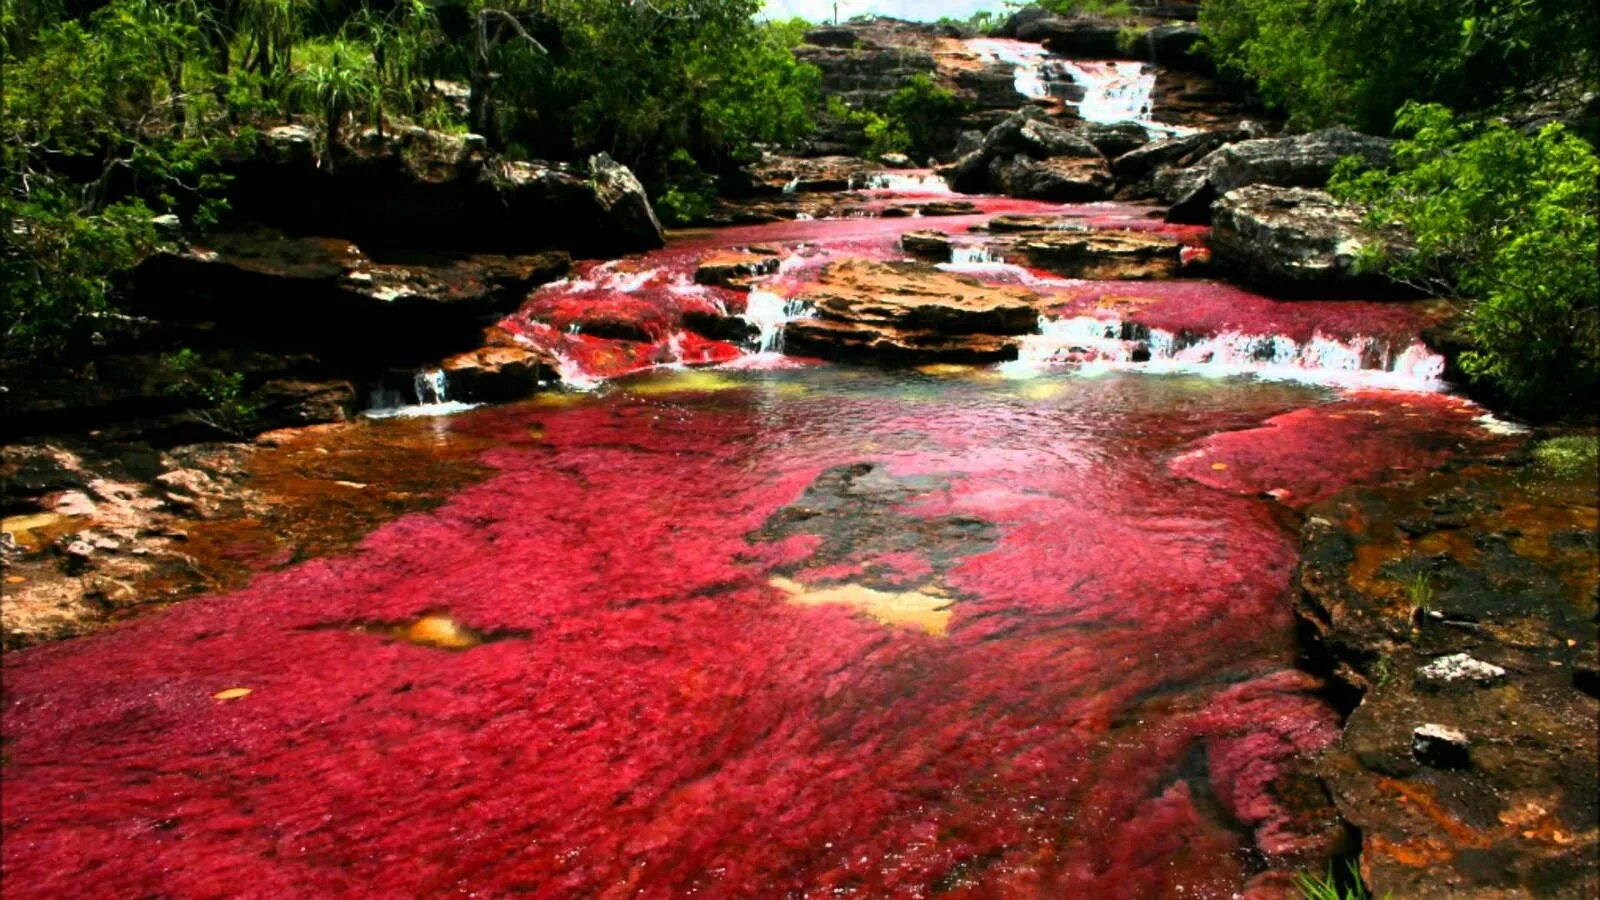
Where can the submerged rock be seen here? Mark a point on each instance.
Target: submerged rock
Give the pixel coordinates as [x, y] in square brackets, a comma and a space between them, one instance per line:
[906, 312]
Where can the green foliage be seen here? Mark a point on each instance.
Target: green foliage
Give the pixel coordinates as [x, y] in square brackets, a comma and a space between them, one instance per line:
[1335, 61]
[1329, 887]
[1509, 221]
[922, 107]
[1570, 456]
[103, 123]
[688, 193]
[1111, 9]
[911, 121]
[222, 394]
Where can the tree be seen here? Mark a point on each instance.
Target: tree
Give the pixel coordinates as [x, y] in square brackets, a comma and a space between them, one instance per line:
[1512, 222]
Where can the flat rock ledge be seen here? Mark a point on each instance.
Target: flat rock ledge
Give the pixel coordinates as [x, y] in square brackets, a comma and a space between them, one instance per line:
[1461, 609]
[909, 313]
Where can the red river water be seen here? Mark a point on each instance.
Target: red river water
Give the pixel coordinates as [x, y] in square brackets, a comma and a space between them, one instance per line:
[778, 628]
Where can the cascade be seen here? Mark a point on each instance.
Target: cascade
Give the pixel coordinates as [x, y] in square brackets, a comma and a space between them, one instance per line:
[1107, 344]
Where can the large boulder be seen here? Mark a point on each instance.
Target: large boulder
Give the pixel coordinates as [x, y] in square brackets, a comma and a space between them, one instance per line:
[623, 201]
[1178, 151]
[1290, 240]
[421, 189]
[908, 312]
[260, 287]
[1305, 160]
[1062, 179]
[1007, 161]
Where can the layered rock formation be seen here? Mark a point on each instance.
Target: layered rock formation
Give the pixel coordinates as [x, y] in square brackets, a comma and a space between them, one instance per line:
[904, 312]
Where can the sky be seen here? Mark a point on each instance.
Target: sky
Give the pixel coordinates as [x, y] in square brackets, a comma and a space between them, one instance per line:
[925, 10]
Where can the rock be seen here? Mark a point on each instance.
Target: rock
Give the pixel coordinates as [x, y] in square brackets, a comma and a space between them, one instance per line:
[1078, 38]
[1010, 156]
[1289, 240]
[1117, 139]
[831, 36]
[1102, 255]
[1175, 45]
[1062, 179]
[1178, 151]
[285, 402]
[907, 312]
[498, 373]
[1440, 746]
[927, 242]
[623, 203]
[328, 297]
[1522, 819]
[437, 192]
[1457, 668]
[947, 208]
[1304, 160]
[734, 269]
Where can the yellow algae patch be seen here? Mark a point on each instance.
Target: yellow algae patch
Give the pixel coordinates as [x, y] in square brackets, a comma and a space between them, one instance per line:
[231, 694]
[691, 381]
[438, 631]
[946, 369]
[34, 531]
[1042, 390]
[906, 609]
[560, 398]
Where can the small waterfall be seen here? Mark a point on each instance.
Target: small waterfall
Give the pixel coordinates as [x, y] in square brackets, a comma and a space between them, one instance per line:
[769, 313]
[432, 387]
[973, 255]
[1113, 92]
[1092, 343]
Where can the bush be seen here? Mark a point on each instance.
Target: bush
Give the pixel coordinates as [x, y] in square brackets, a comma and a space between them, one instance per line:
[1333, 61]
[1509, 221]
[1570, 456]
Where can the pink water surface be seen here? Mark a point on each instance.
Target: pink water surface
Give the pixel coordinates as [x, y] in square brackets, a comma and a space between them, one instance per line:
[1112, 708]
[1112, 712]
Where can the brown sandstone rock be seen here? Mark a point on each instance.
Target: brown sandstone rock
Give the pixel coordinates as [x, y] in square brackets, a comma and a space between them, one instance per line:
[907, 312]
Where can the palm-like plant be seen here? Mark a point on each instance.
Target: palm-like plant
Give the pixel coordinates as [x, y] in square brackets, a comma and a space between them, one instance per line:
[337, 89]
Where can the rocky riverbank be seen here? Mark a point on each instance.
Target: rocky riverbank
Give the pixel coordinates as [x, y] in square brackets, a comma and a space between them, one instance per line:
[1452, 613]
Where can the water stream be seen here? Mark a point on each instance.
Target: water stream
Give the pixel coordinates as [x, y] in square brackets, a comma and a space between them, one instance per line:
[771, 626]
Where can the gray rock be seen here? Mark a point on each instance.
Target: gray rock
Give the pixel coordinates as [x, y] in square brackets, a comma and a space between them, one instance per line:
[1116, 140]
[1460, 668]
[1440, 746]
[1295, 240]
[623, 201]
[1304, 160]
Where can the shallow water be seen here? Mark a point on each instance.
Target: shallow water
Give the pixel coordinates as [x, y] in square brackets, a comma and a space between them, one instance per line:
[808, 630]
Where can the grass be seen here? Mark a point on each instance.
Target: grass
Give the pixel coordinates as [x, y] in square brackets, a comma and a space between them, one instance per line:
[1570, 456]
[1328, 887]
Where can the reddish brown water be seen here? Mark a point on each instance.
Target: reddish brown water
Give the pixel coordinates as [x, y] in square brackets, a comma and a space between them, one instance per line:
[805, 630]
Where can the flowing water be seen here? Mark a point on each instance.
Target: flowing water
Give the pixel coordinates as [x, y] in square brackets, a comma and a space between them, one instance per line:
[774, 627]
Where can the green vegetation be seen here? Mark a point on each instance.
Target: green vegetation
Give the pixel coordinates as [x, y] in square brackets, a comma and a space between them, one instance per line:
[1570, 456]
[1331, 887]
[1111, 9]
[1333, 61]
[1510, 220]
[911, 121]
[118, 111]
[221, 393]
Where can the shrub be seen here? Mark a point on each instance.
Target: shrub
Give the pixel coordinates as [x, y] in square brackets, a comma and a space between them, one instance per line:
[1334, 61]
[1570, 456]
[1509, 221]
